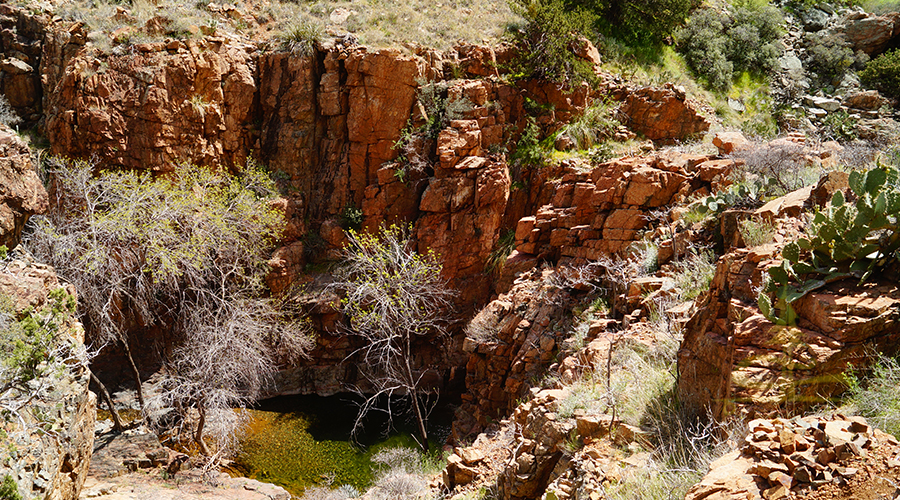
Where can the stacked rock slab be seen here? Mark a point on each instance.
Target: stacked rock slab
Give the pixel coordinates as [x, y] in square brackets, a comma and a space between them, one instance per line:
[792, 458]
[22, 194]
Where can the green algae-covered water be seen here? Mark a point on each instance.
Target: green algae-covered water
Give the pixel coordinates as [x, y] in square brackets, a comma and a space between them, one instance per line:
[302, 441]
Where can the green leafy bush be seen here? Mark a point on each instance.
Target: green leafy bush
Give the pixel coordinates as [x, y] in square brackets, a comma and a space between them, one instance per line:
[544, 41]
[9, 490]
[28, 338]
[883, 73]
[844, 240]
[638, 22]
[716, 45]
[350, 218]
[529, 151]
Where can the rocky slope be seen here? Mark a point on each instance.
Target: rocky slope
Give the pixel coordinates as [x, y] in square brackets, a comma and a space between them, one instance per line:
[732, 357]
[49, 438]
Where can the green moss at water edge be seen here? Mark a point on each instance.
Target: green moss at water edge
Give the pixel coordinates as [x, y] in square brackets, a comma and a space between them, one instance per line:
[280, 448]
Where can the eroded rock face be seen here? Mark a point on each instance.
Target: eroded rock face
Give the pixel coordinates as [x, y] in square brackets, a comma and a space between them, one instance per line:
[50, 466]
[21, 192]
[871, 33]
[167, 102]
[509, 341]
[599, 212]
[21, 44]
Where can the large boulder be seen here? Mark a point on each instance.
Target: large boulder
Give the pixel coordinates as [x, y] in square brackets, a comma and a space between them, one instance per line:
[663, 114]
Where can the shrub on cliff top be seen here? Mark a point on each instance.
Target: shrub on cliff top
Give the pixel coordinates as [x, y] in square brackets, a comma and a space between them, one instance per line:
[545, 39]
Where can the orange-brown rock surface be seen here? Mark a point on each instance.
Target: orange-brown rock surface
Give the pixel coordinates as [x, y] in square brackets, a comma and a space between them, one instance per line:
[601, 211]
[21, 46]
[663, 114]
[21, 192]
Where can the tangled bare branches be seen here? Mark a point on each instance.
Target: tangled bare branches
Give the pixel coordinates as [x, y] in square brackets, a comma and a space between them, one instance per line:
[391, 296]
[185, 253]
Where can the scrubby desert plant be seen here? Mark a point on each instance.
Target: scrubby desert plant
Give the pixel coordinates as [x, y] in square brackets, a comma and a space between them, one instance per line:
[756, 232]
[392, 295]
[778, 168]
[883, 73]
[829, 56]
[598, 122]
[846, 239]
[301, 37]
[873, 394]
[695, 273]
[717, 45]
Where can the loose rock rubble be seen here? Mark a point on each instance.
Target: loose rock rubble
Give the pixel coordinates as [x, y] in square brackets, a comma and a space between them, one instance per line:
[800, 457]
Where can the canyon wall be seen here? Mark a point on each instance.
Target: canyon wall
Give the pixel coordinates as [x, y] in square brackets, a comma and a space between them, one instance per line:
[330, 125]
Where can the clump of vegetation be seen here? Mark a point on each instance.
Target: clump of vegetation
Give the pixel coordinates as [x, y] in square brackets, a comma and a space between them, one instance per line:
[185, 252]
[718, 46]
[874, 395]
[883, 73]
[351, 218]
[530, 150]
[839, 126]
[302, 37]
[776, 169]
[641, 22]
[842, 241]
[505, 246]
[597, 123]
[545, 39]
[756, 232]
[694, 274]
[392, 295]
[9, 490]
[829, 56]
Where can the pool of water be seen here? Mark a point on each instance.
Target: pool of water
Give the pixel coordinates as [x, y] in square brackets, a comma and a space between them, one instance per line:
[302, 441]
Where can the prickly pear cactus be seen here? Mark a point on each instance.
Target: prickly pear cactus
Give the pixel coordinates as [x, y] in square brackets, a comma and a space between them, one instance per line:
[843, 240]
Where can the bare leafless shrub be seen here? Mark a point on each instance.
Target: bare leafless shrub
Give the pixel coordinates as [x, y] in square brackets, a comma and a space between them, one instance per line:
[392, 295]
[343, 492]
[781, 165]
